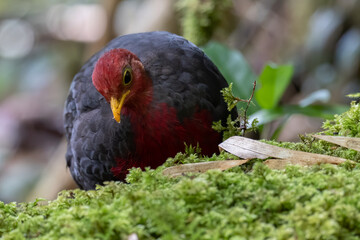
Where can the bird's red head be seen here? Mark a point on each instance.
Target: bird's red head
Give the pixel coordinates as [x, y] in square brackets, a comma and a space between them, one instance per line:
[121, 78]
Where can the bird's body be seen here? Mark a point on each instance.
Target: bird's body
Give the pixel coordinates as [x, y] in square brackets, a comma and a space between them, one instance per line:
[168, 92]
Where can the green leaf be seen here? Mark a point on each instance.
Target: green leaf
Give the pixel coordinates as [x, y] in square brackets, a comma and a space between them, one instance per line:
[234, 68]
[273, 81]
[321, 111]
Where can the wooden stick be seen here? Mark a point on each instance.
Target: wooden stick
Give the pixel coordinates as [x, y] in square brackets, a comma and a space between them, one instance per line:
[348, 142]
[202, 167]
[249, 148]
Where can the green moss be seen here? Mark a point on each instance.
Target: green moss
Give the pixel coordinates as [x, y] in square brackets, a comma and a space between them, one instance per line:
[297, 203]
[346, 124]
[200, 18]
[320, 202]
[312, 145]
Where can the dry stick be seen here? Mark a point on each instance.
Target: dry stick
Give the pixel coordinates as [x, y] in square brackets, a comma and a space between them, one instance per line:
[348, 142]
[251, 97]
[201, 167]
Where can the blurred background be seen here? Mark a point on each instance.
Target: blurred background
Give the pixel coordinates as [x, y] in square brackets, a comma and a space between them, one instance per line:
[44, 43]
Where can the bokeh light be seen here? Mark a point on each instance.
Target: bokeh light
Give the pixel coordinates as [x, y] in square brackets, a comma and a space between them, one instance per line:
[17, 38]
[80, 22]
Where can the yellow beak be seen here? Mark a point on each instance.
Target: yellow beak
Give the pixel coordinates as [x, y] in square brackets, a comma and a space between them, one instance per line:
[116, 105]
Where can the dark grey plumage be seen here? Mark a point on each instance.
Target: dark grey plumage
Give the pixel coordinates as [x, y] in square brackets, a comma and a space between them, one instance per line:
[183, 77]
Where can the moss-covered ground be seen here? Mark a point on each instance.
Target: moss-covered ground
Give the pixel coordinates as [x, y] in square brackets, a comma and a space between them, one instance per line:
[249, 202]
[320, 202]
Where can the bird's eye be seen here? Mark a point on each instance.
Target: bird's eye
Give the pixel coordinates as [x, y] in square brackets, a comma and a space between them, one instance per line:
[127, 77]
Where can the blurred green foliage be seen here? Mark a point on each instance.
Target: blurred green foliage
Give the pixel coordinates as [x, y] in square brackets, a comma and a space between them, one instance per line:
[318, 110]
[234, 68]
[201, 18]
[271, 85]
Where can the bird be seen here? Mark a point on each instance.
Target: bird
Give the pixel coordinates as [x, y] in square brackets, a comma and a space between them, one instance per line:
[137, 102]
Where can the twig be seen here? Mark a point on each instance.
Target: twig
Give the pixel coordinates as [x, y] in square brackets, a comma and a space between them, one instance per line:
[243, 126]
